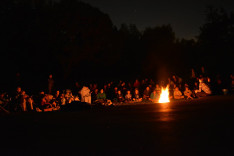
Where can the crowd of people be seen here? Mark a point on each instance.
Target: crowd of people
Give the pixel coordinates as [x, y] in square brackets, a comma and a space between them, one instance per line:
[144, 90]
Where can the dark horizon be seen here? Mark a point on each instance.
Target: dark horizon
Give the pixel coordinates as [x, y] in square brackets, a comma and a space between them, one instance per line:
[76, 41]
[186, 17]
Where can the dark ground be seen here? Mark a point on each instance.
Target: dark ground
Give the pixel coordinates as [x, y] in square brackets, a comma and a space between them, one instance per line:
[198, 127]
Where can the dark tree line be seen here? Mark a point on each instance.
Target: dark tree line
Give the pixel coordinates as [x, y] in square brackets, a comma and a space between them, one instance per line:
[75, 41]
[216, 40]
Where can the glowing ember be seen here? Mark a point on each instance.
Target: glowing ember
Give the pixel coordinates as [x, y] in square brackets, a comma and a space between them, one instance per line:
[164, 96]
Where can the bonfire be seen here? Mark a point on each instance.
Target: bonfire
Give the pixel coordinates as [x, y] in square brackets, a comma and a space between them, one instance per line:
[164, 96]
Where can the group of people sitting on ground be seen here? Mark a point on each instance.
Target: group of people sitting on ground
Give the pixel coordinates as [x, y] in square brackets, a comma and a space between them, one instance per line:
[110, 94]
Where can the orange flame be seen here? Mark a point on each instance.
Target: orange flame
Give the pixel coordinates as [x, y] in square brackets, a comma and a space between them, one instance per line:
[164, 96]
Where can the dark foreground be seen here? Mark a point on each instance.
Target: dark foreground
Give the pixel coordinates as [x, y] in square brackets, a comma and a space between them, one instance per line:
[198, 127]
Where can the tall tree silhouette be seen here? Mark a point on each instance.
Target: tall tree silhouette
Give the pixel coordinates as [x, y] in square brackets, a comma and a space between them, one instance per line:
[216, 40]
[158, 42]
[80, 34]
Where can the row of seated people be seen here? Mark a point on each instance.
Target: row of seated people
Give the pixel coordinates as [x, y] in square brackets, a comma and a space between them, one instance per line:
[148, 95]
[48, 102]
[21, 101]
[199, 89]
[41, 102]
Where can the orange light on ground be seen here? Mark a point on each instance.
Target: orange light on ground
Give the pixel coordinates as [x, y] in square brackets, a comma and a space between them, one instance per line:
[164, 96]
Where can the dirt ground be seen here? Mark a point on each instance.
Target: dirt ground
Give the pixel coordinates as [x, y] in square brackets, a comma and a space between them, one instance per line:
[194, 127]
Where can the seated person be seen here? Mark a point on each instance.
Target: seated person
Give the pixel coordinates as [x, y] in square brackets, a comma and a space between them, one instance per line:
[188, 93]
[69, 97]
[123, 87]
[128, 96]
[115, 94]
[137, 96]
[23, 100]
[94, 94]
[146, 94]
[38, 101]
[30, 103]
[3, 100]
[50, 99]
[154, 96]
[45, 104]
[158, 89]
[178, 94]
[57, 97]
[101, 96]
[204, 89]
[76, 98]
[50, 103]
[62, 99]
[85, 95]
[120, 97]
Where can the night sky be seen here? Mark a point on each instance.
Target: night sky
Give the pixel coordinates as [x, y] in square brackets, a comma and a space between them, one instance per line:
[185, 16]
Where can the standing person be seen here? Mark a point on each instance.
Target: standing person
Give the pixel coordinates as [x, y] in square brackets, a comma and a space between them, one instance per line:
[50, 84]
[193, 74]
[203, 73]
[85, 95]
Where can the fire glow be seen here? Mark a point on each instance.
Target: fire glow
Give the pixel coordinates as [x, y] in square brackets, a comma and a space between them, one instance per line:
[164, 96]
